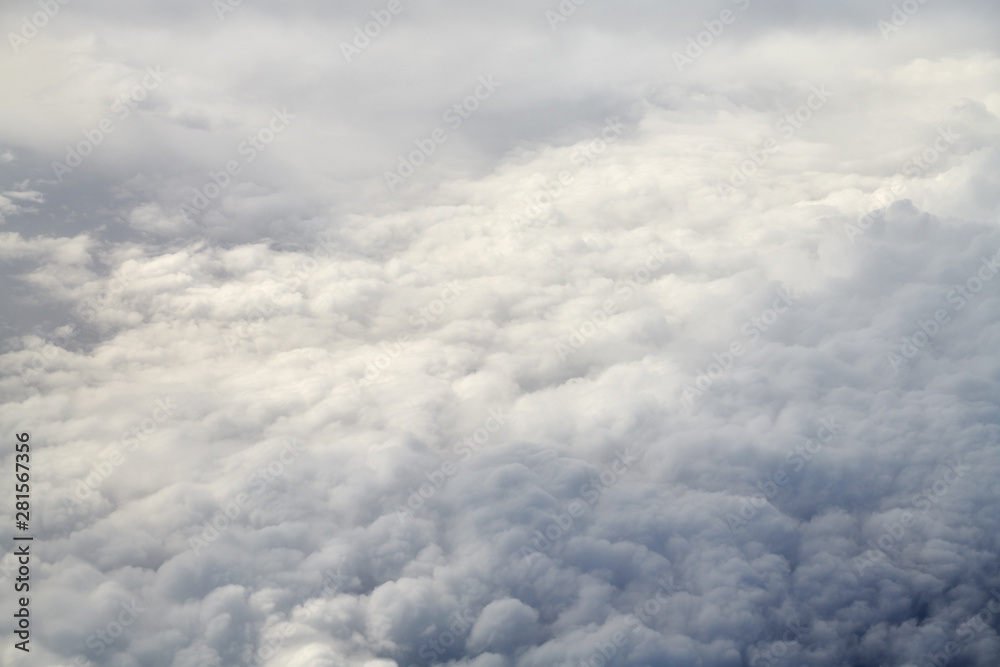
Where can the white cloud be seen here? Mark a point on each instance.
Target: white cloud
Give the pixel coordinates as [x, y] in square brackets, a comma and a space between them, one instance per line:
[410, 341]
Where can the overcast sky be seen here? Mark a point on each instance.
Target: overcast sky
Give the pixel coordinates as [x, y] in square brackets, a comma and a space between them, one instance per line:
[517, 334]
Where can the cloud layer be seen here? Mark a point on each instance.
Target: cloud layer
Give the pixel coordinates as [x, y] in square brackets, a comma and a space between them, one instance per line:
[626, 362]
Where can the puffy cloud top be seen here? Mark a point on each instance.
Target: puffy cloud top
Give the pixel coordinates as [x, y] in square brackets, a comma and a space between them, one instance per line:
[503, 335]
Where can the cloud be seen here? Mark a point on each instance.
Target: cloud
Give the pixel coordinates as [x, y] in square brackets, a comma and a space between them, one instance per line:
[639, 365]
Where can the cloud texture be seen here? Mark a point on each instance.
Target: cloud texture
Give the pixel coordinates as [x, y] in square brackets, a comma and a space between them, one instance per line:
[500, 339]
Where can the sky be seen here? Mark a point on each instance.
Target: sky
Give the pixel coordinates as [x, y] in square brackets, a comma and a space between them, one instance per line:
[524, 334]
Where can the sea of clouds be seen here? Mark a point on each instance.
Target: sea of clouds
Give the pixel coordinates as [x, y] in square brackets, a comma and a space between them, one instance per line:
[503, 334]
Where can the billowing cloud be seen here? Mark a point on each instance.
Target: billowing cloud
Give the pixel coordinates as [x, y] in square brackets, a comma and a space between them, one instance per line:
[503, 335]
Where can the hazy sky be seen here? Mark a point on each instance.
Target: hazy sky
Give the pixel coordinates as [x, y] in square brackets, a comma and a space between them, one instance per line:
[503, 334]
